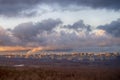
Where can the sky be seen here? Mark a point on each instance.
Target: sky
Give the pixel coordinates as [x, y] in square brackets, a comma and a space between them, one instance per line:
[60, 24]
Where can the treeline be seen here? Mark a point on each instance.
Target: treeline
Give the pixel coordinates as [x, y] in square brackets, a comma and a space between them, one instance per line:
[59, 73]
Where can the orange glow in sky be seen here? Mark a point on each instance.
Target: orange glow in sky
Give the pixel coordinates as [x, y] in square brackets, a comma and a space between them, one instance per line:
[99, 32]
[13, 48]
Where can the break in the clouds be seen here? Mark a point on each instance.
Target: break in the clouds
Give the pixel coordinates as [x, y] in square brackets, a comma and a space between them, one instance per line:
[46, 34]
[28, 7]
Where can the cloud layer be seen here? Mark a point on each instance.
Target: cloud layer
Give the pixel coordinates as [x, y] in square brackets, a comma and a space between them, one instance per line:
[52, 33]
[16, 7]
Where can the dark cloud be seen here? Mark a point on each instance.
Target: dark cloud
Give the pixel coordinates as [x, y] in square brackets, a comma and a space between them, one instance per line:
[79, 26]
[73, 40]
[113, 28]
[16, 10]
[46, 34]
[109, 4]
[5, 38]
[15, 7]
[28, 31]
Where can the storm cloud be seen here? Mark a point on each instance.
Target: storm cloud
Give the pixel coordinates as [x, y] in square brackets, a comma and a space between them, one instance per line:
[18, 7]
[113, 28]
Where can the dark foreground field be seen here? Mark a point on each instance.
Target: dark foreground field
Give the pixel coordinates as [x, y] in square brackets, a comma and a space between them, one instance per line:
[59, 73]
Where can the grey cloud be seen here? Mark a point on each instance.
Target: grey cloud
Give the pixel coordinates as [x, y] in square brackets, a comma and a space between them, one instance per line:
[28, 31]
[68, 40]
[5, 38]
[79, 26]
[13, 10]
[15, 7]
[113, 28]
[108, 4]
[113, 4]
[44, 34]
[49, 24]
